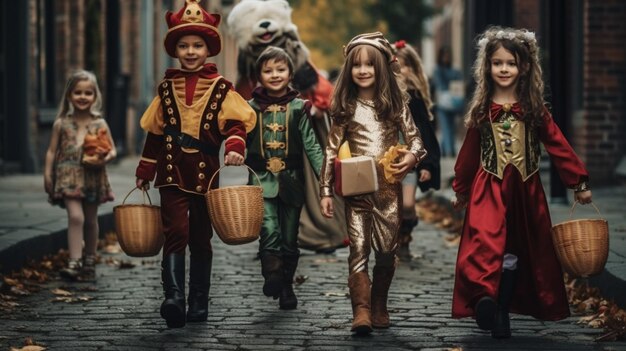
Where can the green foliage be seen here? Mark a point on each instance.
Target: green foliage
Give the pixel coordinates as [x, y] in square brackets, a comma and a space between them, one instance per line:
[404, 18]
[326, 25]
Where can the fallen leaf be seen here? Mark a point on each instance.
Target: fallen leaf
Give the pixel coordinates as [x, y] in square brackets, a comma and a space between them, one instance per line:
[61, 292]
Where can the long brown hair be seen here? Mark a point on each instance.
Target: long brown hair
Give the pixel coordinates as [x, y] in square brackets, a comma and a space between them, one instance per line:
[389, 98]
[522, 44]
[416, 79]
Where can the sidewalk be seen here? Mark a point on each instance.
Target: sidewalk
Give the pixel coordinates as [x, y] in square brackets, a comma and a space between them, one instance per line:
[31, 228]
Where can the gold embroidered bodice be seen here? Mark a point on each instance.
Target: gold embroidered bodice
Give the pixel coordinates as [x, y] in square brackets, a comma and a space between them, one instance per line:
[507, 140]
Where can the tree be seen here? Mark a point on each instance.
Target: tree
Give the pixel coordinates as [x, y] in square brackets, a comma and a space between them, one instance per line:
[404, 18]
[326, 25]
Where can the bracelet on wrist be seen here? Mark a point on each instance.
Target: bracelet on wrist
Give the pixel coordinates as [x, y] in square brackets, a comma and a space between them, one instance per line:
[583, 186]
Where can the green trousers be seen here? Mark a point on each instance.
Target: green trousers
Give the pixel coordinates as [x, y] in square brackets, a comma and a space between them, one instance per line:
[279, 232]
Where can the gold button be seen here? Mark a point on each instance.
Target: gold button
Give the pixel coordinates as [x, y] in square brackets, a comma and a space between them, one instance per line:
[168, 146]
[168, 179]
[209, 116]
[170, 111]
[168, 138]
[206, 126]
[164, 85]
[213, 105]
[199, 188]
[173, 121]
[201, 175]
[166, 93]
[218, 96]
[168, 157]
[168, 101]
[201, 164]
[222, 86]
[169, 167]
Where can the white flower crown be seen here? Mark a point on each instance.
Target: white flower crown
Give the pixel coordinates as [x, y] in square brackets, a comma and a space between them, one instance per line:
[521, 36]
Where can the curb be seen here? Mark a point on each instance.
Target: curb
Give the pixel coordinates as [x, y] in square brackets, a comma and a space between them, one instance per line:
[40, 243]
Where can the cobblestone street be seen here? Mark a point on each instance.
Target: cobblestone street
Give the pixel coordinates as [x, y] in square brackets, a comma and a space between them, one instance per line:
[123, 314]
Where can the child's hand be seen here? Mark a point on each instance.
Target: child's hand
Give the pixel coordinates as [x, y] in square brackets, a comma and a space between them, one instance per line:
[142, 184]
[424, 176]
[460, 201]
[583, 197]
[326, 204]
[407, 163]
[234, 159]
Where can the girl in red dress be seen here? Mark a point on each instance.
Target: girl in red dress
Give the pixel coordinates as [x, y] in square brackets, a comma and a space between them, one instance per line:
[506, 259]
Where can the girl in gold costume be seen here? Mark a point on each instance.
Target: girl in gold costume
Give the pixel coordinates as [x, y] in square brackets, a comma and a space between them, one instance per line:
[369, 112]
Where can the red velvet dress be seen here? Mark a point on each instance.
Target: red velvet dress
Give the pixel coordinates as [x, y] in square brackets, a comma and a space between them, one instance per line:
[510, 215]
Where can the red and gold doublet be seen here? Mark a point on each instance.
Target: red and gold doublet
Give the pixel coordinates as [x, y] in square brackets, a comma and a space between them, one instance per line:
[187, 122]
[507, 212]
[202, 106]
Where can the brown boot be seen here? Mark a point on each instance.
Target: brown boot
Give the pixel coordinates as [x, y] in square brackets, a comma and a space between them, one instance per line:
[359, 284]
[382, 277]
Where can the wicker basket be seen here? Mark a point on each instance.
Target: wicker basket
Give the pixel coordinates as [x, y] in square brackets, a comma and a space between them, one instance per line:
[139, 228]
[582, 245]
[236, 211]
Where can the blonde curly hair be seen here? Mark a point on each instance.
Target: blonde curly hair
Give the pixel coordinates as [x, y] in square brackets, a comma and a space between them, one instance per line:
[522, 44]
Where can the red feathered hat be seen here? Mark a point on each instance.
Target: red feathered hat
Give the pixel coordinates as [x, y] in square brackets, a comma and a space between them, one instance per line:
[193, 20]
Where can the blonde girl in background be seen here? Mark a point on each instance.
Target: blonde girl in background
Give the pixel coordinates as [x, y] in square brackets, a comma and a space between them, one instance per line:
[70, 180]
[427, 174]
[369, 112]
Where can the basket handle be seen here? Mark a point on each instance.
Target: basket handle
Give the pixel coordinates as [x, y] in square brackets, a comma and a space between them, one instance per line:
[143, 191]
[216, 172]
[571, 211]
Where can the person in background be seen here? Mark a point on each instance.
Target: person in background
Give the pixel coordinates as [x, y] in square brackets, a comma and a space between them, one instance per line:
[75, 178]
[427, 174]
[506, 260]
[447, 107]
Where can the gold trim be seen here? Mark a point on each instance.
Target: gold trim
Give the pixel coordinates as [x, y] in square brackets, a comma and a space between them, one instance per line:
[275, 164]
[149, 160]
[219, 35]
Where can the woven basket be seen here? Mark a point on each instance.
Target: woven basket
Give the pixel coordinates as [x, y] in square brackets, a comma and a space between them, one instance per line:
[582, 245]
[236, 211]
[139, 228]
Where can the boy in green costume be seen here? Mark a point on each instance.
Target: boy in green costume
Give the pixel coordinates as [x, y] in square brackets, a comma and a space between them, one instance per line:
[276, 149]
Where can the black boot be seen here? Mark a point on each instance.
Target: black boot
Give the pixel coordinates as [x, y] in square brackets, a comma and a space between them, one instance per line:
[288, 299]
[404, 239]
[502, 326]
[199, 284]
[485, 311]
[173, 275]
[272, 270]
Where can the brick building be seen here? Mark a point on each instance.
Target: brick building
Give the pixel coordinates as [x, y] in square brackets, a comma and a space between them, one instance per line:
[41, 41]
[584, 62]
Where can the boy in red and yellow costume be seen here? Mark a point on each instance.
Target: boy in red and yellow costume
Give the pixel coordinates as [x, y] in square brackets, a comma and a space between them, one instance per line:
[194, 112]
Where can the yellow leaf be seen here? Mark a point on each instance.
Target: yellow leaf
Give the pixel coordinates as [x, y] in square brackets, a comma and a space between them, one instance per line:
[344, 151]
[29, 348]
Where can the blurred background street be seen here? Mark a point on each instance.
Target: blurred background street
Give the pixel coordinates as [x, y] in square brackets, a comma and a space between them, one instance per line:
[43, 41]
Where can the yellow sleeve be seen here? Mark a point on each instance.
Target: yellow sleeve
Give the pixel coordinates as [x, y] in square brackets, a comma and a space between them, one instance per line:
[234, 107]
[152, 119]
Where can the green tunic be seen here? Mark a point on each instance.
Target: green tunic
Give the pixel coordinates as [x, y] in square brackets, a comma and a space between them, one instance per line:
[280, 141]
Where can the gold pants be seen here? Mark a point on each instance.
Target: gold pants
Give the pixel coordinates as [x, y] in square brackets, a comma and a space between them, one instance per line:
[373, 221]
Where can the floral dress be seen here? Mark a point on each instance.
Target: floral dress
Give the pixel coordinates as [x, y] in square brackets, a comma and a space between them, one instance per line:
[70, 178]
